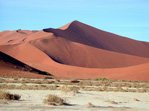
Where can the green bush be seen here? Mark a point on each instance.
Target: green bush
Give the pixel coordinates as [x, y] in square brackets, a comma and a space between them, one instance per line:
[48, 77]
[101, 79]
[104, 79]
[47, 73]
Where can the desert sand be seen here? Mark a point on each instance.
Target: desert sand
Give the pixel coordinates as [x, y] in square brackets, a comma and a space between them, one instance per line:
[77, 50]
[32, 100]
[34, 91]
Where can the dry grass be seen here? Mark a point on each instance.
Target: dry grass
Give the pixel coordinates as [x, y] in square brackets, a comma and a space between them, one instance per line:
[8, 96]
[29, 87]
[27, 80]
[136, 99]
[67, 89]
[110, 102]
[72, 89]
[75, 85]
[53, 100]
[89, 105]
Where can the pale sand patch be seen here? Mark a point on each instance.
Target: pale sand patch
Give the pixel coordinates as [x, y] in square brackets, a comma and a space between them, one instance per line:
[32, 100]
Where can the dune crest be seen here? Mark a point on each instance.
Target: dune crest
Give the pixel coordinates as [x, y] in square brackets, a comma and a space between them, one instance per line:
[65, 26]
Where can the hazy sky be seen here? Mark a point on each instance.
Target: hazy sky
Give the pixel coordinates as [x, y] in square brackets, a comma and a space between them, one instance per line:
[128, 18]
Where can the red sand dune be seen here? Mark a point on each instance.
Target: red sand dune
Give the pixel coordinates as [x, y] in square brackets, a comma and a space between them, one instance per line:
[76, 54]
[77, 50]
[84, 34]
[8, 69]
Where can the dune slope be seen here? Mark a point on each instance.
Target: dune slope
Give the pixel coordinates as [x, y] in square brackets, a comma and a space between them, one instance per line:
[71, 53]
[10, 67]
[85, 34]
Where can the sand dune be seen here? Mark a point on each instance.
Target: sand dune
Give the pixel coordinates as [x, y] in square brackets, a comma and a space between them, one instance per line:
[13, 37]
[84, 34]
[77, 50]
[65, 26]
[44, 63]
[71, 53]
[10, 67]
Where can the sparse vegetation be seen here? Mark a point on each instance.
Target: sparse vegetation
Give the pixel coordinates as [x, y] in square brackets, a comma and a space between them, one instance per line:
[47, 73]
[111, 102]
[75, 85]
[53, 100]
[101, 79]
[8, 96]
[67, 89]
[89, 105]
[48, 77]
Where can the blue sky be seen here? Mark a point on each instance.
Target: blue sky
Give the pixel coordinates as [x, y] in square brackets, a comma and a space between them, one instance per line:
[129, 18]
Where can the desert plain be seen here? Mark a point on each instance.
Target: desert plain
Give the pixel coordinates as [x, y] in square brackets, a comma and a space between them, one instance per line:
[83, 95]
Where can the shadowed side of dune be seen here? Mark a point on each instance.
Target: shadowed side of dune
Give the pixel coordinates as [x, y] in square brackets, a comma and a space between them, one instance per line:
[24, 67]
[71, 53]
[85, 34]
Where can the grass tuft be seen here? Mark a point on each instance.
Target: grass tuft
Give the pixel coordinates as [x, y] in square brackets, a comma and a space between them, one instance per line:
[67, 89]
[53, 100]
[8, 96]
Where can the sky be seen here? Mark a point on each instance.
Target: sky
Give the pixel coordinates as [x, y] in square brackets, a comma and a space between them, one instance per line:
[129, 18]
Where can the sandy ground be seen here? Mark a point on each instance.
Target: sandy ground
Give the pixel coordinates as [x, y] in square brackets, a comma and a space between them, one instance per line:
[32, 100]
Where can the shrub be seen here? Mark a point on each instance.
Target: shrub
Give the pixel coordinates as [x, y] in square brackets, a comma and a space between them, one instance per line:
[89, 105]
[111, 102]
[53, 100]
[47, 73]
[104, 79]
[48, 77]
[100, 79]
[74, 81]
[66, 89]
[8, 96]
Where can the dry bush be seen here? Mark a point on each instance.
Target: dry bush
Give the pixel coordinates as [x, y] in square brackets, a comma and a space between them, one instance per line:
[66, 89]
[53, 100]
[8, 96]
[74, 81]
[111, 102]
[104, 88]
[89, 105]
[85, 83]
[136, 99]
